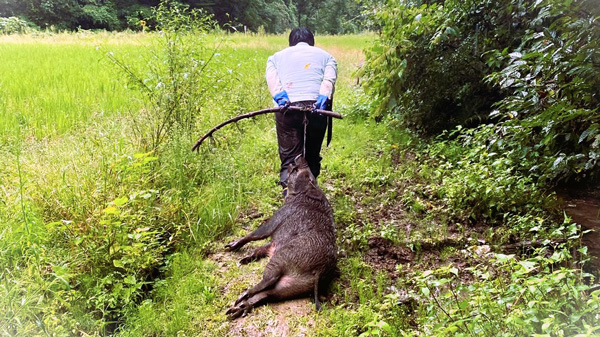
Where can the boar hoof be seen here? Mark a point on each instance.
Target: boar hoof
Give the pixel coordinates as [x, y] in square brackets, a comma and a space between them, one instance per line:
[247, 259]
[235, 245]
[237, 311]
[243, 297]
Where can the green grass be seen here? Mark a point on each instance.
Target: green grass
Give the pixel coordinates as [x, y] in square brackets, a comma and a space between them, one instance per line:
[50, 88]
[55, 83]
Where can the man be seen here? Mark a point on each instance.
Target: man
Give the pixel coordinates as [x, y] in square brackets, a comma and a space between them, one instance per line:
[301, 75]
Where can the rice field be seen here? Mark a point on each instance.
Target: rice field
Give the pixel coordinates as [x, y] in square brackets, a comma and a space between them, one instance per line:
[51, 85]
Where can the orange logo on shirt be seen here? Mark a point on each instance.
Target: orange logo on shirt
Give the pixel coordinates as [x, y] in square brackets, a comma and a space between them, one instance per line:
[307, 66]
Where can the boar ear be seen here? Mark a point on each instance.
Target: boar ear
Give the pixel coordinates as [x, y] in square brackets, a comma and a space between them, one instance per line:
[314, 192]
[294, 189]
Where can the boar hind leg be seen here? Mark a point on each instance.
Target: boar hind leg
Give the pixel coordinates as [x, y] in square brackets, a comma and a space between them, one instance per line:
[245, 306]
[265, 283]
[252, 297]
[257, 254]
[299, 285]
[277, 288]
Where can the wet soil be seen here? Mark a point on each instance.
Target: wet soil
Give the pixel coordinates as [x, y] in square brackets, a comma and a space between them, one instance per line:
[385, 255]
[467, 248]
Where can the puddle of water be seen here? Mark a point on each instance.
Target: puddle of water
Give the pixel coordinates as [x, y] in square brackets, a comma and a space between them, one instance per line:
[585, 210]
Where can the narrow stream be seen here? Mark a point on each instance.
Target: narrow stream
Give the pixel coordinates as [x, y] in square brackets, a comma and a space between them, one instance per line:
[584, 209]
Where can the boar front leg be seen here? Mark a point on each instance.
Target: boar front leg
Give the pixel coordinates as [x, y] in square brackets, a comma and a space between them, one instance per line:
[258, 253]
[262, 232]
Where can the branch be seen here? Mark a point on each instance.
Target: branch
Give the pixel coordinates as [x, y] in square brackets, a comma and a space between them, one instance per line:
[260, 112]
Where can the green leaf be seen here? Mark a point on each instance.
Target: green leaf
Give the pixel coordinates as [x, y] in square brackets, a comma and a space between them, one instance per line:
[504, 258]
[120, 201]
[118, 264]
[528, 265]
[130, 279]
[452, 329]
[111, 210]
[515, 55]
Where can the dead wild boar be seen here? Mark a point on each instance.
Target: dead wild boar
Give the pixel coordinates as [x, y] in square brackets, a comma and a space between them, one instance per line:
[302, 248]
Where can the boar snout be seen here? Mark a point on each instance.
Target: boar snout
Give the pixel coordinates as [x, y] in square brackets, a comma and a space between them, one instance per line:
[301, 180]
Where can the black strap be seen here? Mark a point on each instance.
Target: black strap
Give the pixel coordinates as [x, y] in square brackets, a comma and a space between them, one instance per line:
[329, 129]
[329, 121]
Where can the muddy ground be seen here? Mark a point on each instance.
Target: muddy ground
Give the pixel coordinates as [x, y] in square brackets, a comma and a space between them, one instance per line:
[298, 317]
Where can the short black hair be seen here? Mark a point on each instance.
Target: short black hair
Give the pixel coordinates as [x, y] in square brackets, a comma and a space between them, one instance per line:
[301, 35]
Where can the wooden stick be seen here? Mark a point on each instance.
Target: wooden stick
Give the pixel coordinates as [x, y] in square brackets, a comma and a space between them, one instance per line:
[260, 112]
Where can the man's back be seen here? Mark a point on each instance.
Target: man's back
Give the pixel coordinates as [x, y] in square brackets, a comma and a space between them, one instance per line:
[301, 70]
[301, 75]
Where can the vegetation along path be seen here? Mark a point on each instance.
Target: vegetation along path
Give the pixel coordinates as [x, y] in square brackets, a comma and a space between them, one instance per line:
[110, 225]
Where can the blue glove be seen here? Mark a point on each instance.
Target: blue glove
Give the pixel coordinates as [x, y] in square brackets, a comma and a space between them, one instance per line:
[282, 99]
[321, 102]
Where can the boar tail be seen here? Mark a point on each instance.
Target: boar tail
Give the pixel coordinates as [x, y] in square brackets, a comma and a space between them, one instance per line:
[316, 290]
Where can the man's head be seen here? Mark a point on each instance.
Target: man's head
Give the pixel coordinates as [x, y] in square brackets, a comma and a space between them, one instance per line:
[301, 35]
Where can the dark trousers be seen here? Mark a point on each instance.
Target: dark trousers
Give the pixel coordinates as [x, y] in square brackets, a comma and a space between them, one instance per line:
[290, 138]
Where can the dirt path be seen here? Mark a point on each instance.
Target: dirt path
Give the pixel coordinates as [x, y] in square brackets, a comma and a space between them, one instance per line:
[273, 320]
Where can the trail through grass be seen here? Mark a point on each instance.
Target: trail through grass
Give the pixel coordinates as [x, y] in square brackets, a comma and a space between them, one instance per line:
[70, 174]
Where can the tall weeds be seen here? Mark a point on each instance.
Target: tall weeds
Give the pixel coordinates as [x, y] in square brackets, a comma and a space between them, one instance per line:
[177, 75]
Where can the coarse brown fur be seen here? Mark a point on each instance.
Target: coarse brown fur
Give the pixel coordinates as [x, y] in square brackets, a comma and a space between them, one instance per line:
[302, 248]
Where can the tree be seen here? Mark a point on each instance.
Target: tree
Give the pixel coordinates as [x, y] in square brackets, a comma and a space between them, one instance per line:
[274, 16]
[330, 16]
[428, 68]
[66, 14]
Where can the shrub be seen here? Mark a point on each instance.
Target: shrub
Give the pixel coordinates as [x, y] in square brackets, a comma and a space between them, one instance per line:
[121, 248]
[94, 16]
[550, 115]
[509, 296]
[15, 25]
[427, 69]
[531, 68]
[485, 185]
[177, 76]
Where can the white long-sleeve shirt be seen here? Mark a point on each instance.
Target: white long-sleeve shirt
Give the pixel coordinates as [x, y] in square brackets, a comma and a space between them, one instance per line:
[303, 71]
